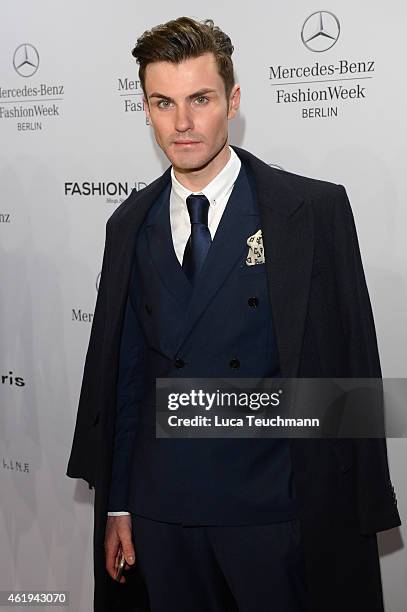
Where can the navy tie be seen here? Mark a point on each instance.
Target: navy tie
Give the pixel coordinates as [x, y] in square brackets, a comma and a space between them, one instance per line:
[200, 239]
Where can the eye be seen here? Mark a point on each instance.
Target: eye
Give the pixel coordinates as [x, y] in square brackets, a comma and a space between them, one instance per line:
[201, 100]
[163, 104]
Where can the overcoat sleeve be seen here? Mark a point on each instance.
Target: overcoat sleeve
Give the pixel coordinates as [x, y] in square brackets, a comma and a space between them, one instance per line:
[82, 460]
[376, 497]
[131, 388]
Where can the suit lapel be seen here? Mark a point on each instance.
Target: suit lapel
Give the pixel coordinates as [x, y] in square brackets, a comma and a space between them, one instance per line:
[162, 252]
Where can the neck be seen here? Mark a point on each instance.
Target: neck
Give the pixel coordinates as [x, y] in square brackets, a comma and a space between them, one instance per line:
[198, 179]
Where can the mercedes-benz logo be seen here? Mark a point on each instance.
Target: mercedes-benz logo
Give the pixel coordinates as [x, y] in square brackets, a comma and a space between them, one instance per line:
[320, 31]
[98, 281]
[26, 60]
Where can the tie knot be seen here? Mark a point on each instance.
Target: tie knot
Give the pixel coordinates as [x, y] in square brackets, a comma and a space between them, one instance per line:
[198, 206]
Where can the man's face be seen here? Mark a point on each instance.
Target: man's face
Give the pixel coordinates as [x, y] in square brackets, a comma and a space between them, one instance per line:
[187, 107]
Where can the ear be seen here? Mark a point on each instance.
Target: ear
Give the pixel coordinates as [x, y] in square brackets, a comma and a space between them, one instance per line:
[234, 101]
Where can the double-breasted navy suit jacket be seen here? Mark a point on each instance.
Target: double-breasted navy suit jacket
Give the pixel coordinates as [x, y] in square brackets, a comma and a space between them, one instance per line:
[323, 327]
[219, 327]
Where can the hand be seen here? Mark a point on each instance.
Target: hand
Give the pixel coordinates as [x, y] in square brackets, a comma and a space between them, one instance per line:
[118, 538]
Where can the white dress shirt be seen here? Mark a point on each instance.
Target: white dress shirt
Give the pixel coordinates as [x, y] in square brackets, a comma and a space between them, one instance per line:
[217, 192]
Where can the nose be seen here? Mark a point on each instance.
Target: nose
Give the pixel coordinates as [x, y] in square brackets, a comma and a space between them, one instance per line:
[183, 119]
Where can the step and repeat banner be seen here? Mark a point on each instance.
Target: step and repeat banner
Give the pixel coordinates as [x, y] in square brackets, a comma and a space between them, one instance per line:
[323, 94]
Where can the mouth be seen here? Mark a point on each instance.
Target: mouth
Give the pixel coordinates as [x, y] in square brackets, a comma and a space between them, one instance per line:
[185, 143]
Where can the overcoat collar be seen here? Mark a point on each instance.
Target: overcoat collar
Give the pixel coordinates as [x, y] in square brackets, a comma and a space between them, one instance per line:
[287, 228]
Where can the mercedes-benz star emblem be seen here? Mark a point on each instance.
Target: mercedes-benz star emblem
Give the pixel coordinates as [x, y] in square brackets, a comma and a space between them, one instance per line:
[26, 60]
[320, 31]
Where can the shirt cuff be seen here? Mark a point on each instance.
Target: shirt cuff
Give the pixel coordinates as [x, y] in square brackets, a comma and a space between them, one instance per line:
[118, 513]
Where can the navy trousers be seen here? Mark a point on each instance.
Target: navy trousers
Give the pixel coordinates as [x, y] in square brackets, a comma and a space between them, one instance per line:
[245, 568]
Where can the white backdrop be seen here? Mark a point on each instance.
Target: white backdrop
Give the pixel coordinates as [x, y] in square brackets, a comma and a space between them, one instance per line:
[74, 138]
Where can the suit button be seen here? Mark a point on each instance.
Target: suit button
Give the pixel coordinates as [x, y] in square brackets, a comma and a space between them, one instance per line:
[253, 302]
[234, 363]
[179, 363]
[148, 309]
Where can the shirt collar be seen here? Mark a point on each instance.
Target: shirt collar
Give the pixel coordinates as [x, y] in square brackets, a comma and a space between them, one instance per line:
[218, 187]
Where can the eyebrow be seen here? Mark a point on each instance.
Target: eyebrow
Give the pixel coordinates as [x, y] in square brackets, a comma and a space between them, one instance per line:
[200, 92]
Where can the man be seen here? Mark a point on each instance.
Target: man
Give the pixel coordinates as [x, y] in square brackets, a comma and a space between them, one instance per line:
[248, 525]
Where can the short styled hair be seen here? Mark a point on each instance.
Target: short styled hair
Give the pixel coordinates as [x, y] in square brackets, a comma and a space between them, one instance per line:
[185, 38]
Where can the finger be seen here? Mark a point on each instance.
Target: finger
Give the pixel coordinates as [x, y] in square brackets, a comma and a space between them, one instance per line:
[110, 560]
[127, 546]
[129, 555]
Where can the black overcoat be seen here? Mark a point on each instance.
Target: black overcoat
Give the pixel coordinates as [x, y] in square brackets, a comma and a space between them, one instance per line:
[324, 328]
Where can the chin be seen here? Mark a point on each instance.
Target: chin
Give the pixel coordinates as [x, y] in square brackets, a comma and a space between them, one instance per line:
[189, 165]
[183, 163]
